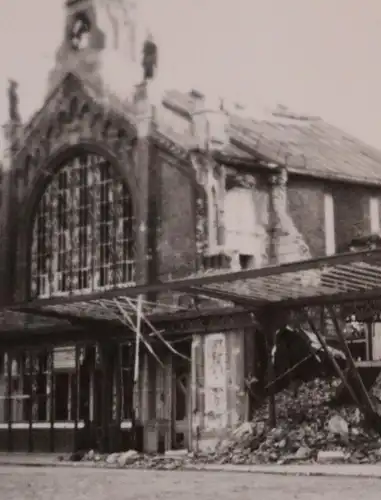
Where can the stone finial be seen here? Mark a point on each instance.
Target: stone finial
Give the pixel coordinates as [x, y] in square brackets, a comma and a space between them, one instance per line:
[210, 124]
[150, 58]
[13, 102]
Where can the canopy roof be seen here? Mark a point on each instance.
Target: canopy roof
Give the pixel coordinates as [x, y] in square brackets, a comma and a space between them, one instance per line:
[328, 280]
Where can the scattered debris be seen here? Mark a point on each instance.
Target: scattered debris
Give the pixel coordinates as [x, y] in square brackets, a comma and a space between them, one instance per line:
[336, 456]
[337, 426]
[310, 428]
[306, 425]
[127, 457]
[113, 458]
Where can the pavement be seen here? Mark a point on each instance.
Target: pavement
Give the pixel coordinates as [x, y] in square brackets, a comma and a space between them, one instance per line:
[329, 470]
[64, 483]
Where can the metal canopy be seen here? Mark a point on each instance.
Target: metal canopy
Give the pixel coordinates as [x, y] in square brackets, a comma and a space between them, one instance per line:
[336, 283]
[14, 321]
[111, 309]
[340, 278]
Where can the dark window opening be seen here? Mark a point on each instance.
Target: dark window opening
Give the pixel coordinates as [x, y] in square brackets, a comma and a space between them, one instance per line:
[246, 261]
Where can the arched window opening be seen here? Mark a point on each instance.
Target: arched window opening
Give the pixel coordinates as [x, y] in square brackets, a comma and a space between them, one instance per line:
[83, 233]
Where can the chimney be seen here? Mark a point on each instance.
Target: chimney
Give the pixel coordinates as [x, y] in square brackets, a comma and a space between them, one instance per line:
[210, 123]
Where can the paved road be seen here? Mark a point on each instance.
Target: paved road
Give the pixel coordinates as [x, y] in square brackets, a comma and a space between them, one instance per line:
[97, 484]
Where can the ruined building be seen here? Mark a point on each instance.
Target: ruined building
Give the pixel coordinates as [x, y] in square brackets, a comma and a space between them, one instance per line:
[115, 183]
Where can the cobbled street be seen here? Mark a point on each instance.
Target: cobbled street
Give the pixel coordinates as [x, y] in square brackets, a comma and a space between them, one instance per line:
[97, 484]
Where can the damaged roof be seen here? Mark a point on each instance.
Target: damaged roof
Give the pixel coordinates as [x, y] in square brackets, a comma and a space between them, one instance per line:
[307, 145]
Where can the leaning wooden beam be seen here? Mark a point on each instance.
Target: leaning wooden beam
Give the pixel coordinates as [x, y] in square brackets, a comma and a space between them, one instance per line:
[330, 356]
[288, 371]
[352, 367]
[127, 321]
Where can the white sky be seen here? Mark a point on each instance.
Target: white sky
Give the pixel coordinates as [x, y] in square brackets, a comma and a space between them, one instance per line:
[316, 56]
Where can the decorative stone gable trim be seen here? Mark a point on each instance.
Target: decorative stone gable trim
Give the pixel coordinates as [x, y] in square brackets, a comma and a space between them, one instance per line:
[212, 177]
[69, 119]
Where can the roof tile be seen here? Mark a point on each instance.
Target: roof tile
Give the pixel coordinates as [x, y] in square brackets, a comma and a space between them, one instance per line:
[307, 145]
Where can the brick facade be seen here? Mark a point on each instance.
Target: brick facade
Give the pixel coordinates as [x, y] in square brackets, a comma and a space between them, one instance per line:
[176, 240]
[351, 211]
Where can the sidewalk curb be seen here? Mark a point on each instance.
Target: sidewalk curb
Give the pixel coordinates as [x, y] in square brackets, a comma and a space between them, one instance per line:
[251, 469]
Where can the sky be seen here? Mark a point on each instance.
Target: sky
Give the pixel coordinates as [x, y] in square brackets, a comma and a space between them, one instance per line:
[315, 56]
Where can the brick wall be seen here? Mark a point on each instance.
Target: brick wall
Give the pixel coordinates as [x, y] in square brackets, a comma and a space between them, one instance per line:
[176, 238]
[351, 211]
[306, 208]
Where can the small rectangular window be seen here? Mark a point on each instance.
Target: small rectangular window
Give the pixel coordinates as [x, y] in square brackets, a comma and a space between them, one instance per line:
[246, 261]
[329, 224]
[374, 214]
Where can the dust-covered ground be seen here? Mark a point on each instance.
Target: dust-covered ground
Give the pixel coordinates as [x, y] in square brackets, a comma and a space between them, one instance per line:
[57, 483]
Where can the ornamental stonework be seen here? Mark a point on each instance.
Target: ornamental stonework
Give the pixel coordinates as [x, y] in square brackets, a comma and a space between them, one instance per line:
[69, 118]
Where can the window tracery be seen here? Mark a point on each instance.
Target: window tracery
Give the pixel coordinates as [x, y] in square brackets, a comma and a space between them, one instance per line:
[83, 234]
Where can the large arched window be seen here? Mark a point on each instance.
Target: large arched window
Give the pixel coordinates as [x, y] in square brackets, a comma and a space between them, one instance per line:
[83, 233]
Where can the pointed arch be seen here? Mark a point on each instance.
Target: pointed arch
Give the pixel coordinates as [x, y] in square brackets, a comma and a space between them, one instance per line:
[81, 225]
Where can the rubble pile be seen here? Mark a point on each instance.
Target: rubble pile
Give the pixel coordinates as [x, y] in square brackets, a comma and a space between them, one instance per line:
[308, 425]
[311, 427]
[169, 461]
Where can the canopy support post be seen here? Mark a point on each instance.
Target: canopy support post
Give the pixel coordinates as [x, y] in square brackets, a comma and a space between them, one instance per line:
[271, 319]
[137, 350]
